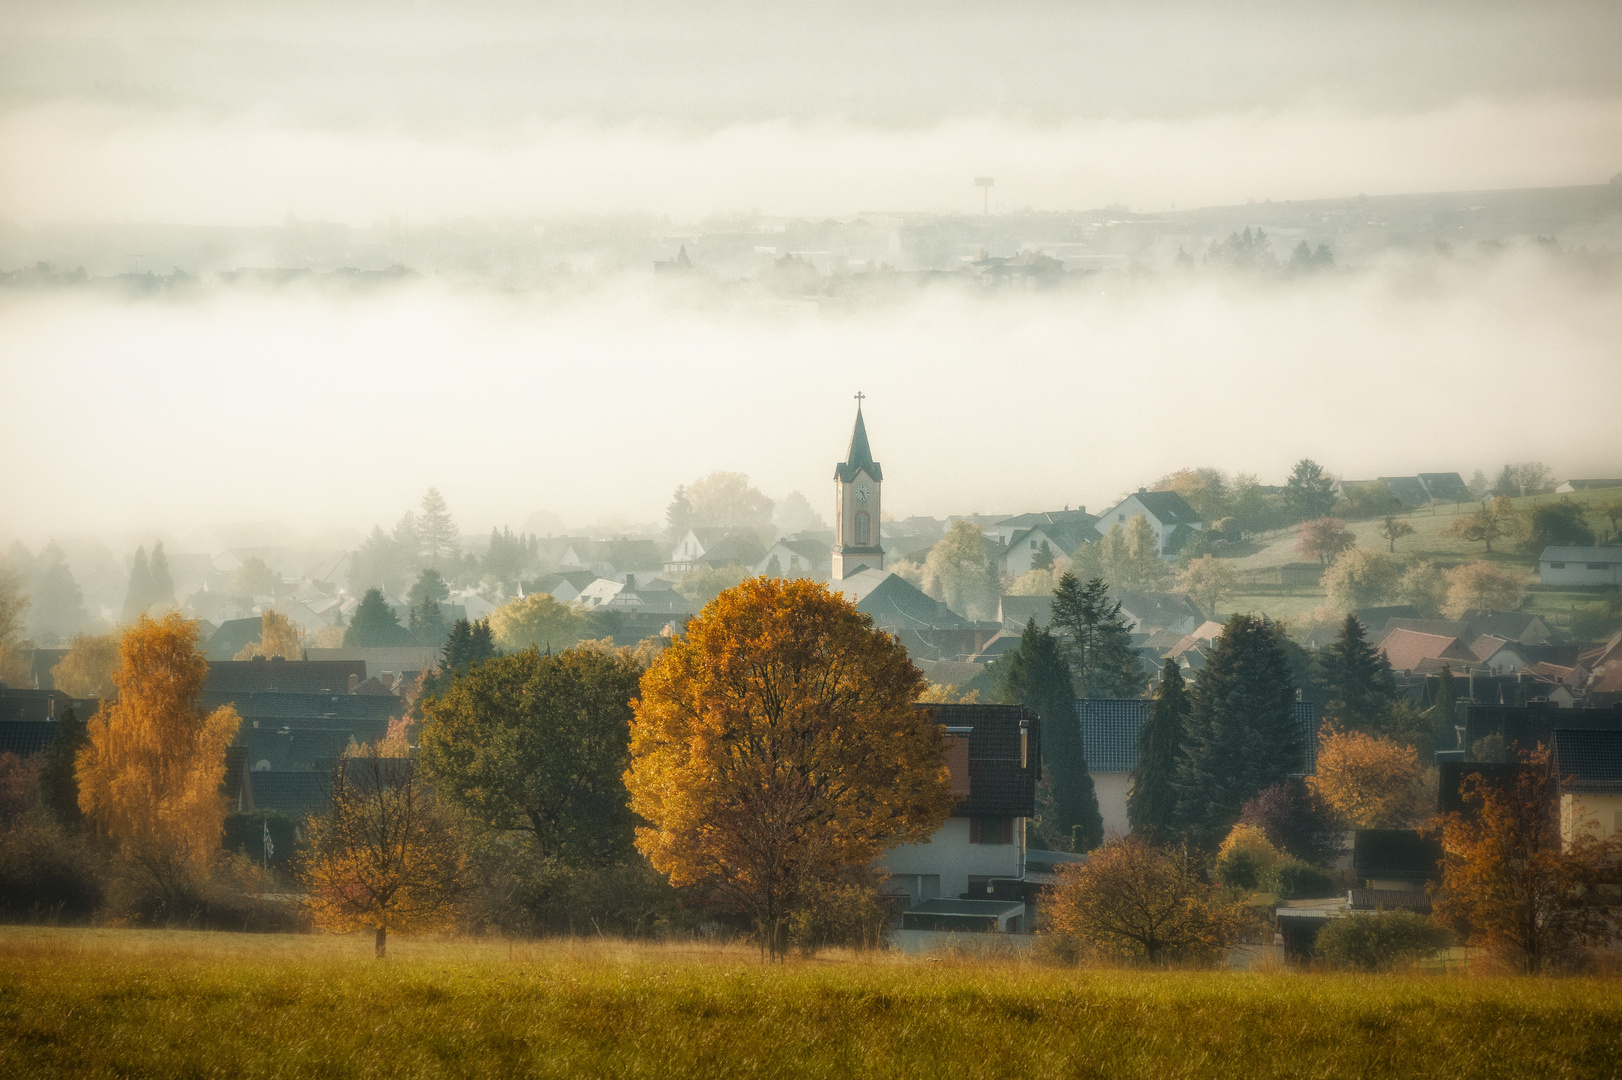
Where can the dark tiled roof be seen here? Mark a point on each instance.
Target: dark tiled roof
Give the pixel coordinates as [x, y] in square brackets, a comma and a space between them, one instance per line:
[1396, 854]
[26, 737]
[998, 787]
[1446, 486]
[1591, 759]
[1170, 507]
[1110, 726]
[737, 548]
[294, 748]
[1531, 725]
[859, 456]
[292, 793]
[1409, 490]
[301, 676]
[232, 635]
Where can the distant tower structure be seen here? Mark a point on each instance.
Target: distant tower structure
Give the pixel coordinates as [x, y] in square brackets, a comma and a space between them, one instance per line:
[856, 506]
[984, 184]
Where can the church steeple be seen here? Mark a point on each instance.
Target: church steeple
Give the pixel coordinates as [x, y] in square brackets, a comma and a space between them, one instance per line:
[856, 506]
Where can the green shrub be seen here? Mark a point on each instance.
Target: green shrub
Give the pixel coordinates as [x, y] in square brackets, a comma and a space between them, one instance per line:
[1293, 879]
[48, 874]
[1239, 869]
[1381, 940]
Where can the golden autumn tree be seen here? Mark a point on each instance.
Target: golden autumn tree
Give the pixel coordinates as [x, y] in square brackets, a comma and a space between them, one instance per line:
[1512, 884]
[1372, 782]
[149, 773]
[775, 746]
[383, 857]
[87, 670]
[278, 636]
[1135, 900]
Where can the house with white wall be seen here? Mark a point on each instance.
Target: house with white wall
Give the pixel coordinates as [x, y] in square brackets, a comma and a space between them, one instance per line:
[1580, 566]
[1168, 513]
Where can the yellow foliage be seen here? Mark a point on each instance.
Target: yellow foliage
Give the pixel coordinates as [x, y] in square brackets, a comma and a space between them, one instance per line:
[538, 620]
[1482, 586]
[14, 667]
[149, 776]
[278, 636]
[382, 857]
[1250, 840]
[776, 744]
[938, 694]
[1372, 782]
[87, 670]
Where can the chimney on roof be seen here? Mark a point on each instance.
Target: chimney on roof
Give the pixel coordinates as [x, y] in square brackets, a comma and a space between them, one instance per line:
[1142, 491]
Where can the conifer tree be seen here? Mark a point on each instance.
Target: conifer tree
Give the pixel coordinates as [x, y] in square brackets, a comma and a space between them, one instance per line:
[428, 624]
[1038, 677]
[1151, 806]
[375, 624]
[139, 593]
[161, 584]
[436, 532]
[1242, 734]
[1102, 659]
[469, 643]
[1358, 686]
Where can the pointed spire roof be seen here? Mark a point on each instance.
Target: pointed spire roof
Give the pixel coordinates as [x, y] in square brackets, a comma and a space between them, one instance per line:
[859, 456]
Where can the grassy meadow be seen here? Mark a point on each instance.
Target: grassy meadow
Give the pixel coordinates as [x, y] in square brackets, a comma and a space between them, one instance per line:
[1269, 551]
[91, 1003]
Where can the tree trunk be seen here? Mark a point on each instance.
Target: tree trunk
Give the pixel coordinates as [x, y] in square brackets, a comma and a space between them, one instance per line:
[382, 942]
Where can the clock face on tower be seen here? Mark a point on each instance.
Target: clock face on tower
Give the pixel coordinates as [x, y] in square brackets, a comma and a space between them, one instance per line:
[861, 494]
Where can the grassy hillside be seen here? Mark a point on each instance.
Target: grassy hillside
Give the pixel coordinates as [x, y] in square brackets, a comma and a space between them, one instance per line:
[1268, 551]
[163, 1004]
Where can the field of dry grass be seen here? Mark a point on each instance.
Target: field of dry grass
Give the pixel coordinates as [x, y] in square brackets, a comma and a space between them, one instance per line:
[104, 1003]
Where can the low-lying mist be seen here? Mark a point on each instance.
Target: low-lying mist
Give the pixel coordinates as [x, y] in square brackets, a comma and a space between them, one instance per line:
[320, 409]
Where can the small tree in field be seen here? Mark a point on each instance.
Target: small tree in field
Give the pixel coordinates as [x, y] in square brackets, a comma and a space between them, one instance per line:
[1495, 520]
[1323, 539]
[1207, 581]
[149, 773]
[1482, 586]
[1511, 885]
[382, 857]
[776, 745]
[1134, 900]
[1393, 529]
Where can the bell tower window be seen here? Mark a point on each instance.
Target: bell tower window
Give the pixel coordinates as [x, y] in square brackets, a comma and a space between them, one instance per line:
[861, 528]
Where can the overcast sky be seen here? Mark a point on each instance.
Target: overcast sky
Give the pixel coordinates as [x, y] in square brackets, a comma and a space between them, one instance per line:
[341, 411]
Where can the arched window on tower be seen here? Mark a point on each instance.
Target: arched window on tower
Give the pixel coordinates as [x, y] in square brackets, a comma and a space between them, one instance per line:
[861, 529]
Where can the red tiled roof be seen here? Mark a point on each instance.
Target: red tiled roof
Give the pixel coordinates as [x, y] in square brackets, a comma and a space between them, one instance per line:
[1404, 649]
[1485, 646]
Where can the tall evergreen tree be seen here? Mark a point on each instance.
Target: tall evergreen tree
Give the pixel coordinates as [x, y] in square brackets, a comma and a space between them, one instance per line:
[1101, 655]
[428, 624]
[1152, 805]
[1242, 736]
[428, 586]
[469, 643]
[163, 585]
[1443, 734]
[1038, 677]
[1359, 689]
[435, 530]
[139, 593]
[375, 624]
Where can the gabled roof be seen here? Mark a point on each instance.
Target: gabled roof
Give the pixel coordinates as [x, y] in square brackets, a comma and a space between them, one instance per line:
[1404, 649]
[1155, 610]
[859, 457]
[1408, 490]
[1486, 646]
[1168, 508]
[1446, 486]
[736, 548]
[814, 552]
[1016, 611]
[896, 603]
[26, 737]
[1581, 554]
[1064, 536]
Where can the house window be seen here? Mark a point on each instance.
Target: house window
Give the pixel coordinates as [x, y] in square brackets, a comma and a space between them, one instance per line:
[1120, 517]
[991, 830]
[1033, 545]
[1557, 566]
[1596, 566]
[861, 528]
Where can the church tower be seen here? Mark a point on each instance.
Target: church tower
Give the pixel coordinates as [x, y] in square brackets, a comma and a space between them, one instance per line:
[856, 506]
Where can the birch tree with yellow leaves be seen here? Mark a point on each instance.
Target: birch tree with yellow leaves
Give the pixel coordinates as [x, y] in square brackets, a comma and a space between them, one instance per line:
[776, 746]
[149, 774]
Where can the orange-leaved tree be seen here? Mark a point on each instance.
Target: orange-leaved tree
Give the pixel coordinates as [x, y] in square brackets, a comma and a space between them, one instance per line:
[278, 636]
[1510, 884]
[383, 856]
[1372, 782]
[149, 773]
[776, 745]
[1139, 901]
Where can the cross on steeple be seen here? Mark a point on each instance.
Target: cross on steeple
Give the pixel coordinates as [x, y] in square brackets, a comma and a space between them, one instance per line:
[859, 397]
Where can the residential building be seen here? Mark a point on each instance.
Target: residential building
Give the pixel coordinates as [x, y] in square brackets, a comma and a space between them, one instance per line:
[796, 556]
[1168, 513]
[994, 757]
[1589, 763]
[1580, 566]
[713, 548]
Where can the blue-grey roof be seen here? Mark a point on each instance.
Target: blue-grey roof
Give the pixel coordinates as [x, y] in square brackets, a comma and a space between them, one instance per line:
[1581, 554]
[1110, 726]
